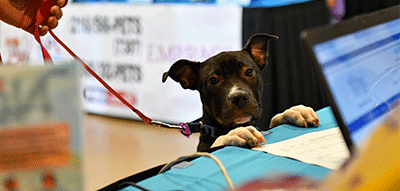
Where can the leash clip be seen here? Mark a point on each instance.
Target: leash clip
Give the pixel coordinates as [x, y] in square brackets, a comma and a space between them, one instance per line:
[182, 126]
[166, 125]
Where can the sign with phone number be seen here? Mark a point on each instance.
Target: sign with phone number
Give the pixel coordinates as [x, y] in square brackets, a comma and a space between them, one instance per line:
[130, 47]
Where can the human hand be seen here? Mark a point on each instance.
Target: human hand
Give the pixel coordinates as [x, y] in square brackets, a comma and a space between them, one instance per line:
[297, 115]
[241, 136]
[22, 14]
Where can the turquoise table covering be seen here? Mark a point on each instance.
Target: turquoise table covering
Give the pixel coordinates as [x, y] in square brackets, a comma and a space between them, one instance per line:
[242, 165]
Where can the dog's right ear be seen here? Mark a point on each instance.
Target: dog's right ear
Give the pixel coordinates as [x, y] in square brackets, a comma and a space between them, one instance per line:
[185, 72]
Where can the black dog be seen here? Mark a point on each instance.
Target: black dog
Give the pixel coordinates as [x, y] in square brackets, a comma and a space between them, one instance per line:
[230, 86]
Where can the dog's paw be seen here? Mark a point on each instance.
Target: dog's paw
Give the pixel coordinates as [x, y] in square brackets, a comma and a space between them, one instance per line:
[297, 115]
[242, 137]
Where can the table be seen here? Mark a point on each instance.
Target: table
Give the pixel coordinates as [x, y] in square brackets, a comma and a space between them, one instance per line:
[242, 165]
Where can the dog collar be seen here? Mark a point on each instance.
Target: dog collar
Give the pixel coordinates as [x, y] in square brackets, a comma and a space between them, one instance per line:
[199, 127]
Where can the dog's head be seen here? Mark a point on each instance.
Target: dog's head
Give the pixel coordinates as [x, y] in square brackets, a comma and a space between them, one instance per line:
[229, 83]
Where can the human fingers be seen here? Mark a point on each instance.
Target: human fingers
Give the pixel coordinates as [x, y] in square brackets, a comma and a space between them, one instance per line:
[62, 3]
[43, 30]
[52, 22]
[56, 11]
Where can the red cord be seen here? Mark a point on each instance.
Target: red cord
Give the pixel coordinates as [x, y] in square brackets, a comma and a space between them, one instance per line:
[141, 115]
[42, 15]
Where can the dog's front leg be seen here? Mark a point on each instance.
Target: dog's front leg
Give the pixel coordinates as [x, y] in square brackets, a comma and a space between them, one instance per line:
[242, 137]
[297, 115]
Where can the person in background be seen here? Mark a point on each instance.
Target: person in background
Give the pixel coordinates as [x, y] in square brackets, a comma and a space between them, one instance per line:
[337, 8]
[345, 9]
[22, 14]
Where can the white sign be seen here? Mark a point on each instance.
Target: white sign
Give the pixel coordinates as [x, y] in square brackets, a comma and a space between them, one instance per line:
[130, 47]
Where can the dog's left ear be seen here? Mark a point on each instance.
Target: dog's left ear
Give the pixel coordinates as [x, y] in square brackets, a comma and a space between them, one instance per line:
[185, 72]
[257, 47]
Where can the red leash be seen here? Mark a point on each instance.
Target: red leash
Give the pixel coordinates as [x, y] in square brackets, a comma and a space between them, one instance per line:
[109, 88]
[42, 15]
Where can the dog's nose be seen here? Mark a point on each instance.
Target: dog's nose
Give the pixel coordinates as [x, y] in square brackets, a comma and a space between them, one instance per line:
[239, 98]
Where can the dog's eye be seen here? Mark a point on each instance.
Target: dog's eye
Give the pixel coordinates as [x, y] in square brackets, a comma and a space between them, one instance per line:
[213, 80]
[249, 72]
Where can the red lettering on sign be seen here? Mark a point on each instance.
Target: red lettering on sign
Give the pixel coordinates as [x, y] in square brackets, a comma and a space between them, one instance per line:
[115, 102]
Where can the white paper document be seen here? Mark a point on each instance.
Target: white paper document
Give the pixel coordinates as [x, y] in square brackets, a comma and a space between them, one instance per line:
[325, 148]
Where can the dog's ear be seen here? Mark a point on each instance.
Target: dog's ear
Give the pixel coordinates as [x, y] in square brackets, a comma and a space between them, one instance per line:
[257, 47]
[185, 72]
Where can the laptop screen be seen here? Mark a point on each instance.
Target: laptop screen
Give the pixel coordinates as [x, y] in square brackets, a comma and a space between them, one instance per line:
[363, 72]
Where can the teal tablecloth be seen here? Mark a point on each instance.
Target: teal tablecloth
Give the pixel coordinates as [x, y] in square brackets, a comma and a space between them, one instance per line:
[243, 165]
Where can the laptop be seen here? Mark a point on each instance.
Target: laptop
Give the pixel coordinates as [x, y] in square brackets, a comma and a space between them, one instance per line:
[358, 63]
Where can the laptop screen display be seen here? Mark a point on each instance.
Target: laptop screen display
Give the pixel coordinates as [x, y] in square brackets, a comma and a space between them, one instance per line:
[363, 72]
